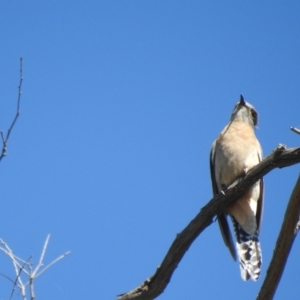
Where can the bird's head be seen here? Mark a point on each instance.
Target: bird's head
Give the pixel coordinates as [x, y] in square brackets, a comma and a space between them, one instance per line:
[245, 112]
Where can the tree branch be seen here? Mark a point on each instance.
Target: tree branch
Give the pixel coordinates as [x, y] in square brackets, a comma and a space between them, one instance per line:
[24, 268]
[5, 138]
[296, 130]
[283, 247]
[155, 285]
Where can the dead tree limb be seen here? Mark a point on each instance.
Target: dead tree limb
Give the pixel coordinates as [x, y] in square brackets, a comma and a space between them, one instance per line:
[283, 247]
[25, 269]
[5, 138]
[155, 285]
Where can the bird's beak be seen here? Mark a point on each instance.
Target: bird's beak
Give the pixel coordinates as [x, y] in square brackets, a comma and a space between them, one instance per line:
[242, 101]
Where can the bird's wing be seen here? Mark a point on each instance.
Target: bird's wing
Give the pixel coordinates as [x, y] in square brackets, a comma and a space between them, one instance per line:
[260, 201]
[222, 219]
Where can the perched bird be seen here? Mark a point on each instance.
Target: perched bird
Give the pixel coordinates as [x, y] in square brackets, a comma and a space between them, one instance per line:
[233, 153]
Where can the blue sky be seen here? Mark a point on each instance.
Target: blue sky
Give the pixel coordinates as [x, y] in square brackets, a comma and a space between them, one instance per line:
[121, 103]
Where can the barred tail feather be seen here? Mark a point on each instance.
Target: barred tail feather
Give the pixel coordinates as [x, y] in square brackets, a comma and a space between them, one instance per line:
[249, 253]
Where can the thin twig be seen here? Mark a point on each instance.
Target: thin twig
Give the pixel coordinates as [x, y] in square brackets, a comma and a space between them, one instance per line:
[6, 277]
[35, 273]
[5, 139]
[20, 271]
[52, 263]
[296, 130]
[41, 257]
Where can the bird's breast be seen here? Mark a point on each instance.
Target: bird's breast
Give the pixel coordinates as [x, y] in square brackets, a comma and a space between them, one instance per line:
[236, 152]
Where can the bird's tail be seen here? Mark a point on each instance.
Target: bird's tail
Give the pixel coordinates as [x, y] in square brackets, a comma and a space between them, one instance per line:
[249, 252]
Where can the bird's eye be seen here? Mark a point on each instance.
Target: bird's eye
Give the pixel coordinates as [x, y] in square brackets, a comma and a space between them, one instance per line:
[253, 116]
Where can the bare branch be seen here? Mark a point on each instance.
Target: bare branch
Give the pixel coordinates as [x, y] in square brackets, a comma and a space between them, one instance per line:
[5, 138]
[13, 257]
[27, 269]
[41, 257]
[296, 130]
[17, 267]
[16, 280]
[35, 273]
[284, 244]
[155, 285]
[53, 262]
[7, 277]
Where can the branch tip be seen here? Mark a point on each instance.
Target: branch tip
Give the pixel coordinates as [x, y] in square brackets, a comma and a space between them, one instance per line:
[296, 130]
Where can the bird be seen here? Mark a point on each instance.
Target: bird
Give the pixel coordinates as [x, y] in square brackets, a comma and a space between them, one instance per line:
[235, 151]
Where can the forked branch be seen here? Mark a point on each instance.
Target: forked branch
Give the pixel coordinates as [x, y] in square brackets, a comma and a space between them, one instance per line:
[25, 269]
[155, 285]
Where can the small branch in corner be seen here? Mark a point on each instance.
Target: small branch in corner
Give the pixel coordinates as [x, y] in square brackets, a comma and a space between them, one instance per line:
[3, 137]
[25, 272]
